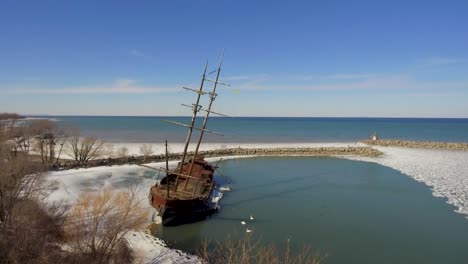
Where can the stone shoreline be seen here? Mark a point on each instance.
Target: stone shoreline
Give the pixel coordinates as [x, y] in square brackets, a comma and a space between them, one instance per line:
[318, 151]
[417, 144]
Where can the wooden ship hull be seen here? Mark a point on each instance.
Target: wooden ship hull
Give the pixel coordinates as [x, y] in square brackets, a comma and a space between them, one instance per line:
[190, 201]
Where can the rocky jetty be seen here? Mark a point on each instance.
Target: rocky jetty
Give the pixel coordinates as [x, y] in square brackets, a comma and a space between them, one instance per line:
[319, 151]
[417, 144]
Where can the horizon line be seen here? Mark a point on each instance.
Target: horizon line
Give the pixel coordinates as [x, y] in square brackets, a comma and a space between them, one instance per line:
[363, 117]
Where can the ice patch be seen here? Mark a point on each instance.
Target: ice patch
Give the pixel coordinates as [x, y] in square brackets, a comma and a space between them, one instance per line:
[216, 196]
[444, 171]
[150, 249]
[225, 189]
[66, 186]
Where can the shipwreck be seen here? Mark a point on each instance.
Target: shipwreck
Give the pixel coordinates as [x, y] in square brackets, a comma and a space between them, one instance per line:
[184, 194]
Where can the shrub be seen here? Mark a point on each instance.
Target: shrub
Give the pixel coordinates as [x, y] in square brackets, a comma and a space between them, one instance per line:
[247, 250]
[97, 224]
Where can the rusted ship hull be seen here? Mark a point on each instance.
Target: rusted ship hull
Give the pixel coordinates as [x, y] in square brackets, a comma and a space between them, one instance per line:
[187, 198]
[185, 212]
[178, 212]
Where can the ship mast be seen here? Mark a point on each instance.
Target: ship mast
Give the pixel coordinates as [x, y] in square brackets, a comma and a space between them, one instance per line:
[196, 108]
[212, 98]
[167, 171]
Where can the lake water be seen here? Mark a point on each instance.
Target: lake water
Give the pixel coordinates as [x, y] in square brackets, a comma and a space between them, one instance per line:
[358, 212]
[270, 129]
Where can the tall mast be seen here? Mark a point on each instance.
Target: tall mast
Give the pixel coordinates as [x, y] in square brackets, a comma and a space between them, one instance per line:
[189, 135]
[167, 171]
[212, 98]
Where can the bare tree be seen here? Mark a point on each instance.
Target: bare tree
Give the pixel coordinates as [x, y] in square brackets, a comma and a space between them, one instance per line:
[108, 150]
[8, 122]
[19, 180]
[22, 138]
[84, 149]
[98, 223]
[146, 150]
[47, 135]
[122, 152]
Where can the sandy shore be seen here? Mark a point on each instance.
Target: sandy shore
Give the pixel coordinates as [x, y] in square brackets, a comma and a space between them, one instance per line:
[444, 171]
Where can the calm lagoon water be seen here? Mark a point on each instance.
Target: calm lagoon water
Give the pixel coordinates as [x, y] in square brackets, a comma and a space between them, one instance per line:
[358, 212]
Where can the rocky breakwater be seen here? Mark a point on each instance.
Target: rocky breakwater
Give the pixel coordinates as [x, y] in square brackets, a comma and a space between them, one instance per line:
[417, 144]
[318, 151]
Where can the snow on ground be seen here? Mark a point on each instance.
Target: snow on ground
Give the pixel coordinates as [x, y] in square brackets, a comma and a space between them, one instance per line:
[152, 250]
[67, 185]
[444, 171]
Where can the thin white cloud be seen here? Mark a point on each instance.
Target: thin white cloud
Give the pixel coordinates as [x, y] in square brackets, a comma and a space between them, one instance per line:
[337, 76]
[351, 76]
[254, 81]
[237, 78]
[119, 86]
[377, 83]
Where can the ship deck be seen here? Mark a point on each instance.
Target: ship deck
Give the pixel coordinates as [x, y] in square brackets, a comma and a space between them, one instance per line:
[185, 189]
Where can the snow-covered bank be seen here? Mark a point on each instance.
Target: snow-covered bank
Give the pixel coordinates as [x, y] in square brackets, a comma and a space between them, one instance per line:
[67, 185]
[446, 172]
[152, 250]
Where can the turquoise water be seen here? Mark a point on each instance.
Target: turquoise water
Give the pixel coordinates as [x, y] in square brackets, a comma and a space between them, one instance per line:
[271, 129]
[358, 212]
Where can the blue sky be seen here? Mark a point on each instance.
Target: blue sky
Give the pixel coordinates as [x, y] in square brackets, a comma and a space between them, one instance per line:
[282, 58]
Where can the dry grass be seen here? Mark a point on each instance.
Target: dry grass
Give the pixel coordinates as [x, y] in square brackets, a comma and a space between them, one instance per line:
[32, 231]
[248, 251]
[97, 224]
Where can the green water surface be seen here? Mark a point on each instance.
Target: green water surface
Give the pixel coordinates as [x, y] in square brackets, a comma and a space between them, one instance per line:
[357, 212]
